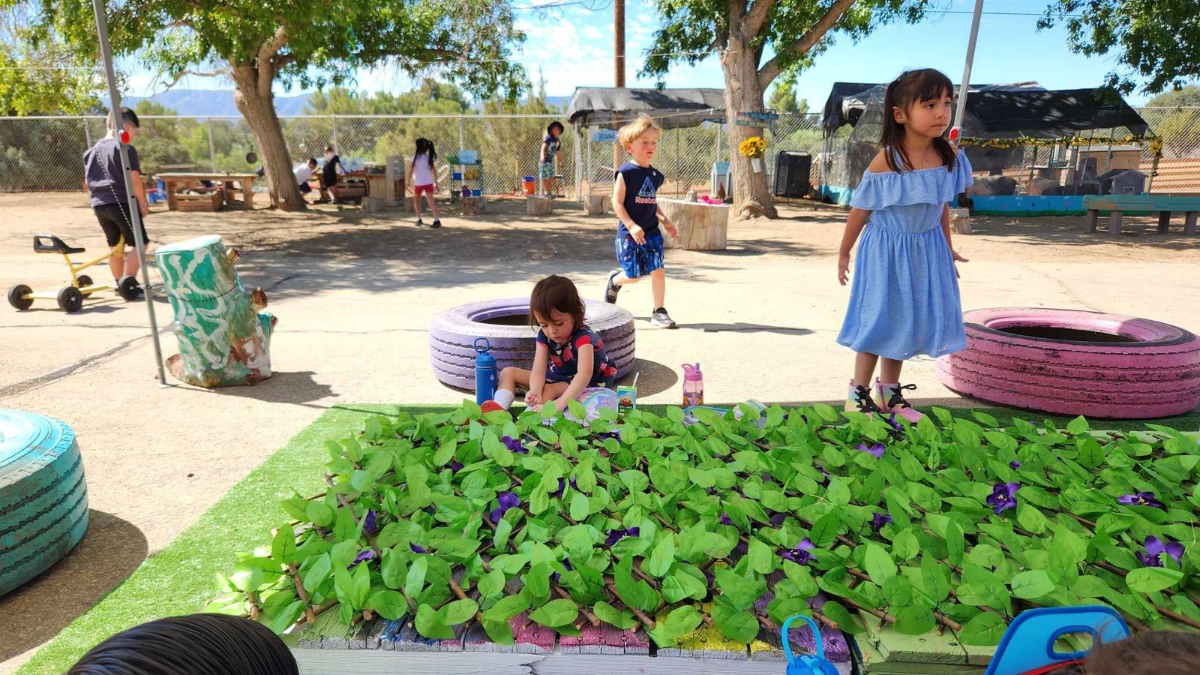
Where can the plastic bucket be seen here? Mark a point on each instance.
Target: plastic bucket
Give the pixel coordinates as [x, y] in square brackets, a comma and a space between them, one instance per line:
[530, 185]
[476, 193]
[457, 175]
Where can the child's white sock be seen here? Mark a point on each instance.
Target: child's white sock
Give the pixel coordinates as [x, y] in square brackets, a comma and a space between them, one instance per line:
[504, 397]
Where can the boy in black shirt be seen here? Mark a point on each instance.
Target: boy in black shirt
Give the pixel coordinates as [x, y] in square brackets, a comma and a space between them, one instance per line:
[110, 195]
[635, 199]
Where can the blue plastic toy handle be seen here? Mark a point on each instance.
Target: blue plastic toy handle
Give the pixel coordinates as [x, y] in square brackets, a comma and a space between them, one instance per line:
[1034, 632]
[487, 346]
[787, 644]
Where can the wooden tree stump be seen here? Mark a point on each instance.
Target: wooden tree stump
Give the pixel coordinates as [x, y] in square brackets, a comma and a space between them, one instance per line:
[702, 227]
[597, 204]
[536, 205]
[960, 221]
[224, 338]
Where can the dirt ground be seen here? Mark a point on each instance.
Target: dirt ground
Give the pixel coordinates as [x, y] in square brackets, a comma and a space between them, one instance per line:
[354, 294]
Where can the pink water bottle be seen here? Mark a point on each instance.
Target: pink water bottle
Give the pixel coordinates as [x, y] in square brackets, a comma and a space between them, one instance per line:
[693, 385]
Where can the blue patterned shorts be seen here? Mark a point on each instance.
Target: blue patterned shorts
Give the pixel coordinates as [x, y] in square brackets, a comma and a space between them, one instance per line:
[639, 261]
[546, 170]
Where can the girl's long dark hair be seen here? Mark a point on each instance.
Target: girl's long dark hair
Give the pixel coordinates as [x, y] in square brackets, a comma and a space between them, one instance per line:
[911, 88]
[425, 147]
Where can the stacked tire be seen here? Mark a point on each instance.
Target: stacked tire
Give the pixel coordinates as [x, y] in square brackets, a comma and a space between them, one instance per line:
[43, 495]
[453, 333]
[1153, 371]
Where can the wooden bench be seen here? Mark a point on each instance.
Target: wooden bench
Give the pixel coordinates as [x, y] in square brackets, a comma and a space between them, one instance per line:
[1162, 204]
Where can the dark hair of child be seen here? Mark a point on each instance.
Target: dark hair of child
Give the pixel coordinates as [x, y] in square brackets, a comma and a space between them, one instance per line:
[425, 147]
[555, 293]
[1159, 652]
[198, 644]
[550, 128]
[912, 88]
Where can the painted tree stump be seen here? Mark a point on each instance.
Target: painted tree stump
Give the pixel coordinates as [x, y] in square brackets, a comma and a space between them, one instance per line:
[224, 338]
[536, 205]
[702, 227]
[598, 204]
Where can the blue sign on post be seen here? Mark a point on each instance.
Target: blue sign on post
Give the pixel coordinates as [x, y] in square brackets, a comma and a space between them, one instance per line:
[605, 135]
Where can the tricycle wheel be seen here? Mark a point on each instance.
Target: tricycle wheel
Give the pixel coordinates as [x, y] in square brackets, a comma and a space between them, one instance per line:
[70, 299]
[83, 281]
[16, 297]
[128, 288]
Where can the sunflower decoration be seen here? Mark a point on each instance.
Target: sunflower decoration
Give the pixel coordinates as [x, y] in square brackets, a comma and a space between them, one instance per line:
[754, 147]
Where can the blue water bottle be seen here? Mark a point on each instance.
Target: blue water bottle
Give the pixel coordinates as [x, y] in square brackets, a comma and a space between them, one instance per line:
[486, 377]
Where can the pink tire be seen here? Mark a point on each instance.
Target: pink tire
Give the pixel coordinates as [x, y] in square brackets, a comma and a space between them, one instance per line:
[1072, 362]
[452, 336]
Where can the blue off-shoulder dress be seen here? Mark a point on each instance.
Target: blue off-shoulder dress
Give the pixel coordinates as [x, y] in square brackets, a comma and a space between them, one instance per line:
[904, 299]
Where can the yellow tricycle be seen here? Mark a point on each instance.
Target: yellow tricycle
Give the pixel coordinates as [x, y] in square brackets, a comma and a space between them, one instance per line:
[70, 298]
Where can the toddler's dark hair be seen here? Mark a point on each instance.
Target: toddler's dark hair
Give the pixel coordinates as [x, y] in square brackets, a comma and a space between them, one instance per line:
[555, 293]
[550, 127]
[909, 89]
[199, 644]
[1160, 652]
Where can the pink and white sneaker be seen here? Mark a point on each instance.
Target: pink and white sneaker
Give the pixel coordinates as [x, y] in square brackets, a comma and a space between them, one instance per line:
[890, 398]
[859, 400]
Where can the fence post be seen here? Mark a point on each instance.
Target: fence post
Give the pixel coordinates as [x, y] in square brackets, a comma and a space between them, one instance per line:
[334, 142]
[87, 133]
[212, 146]
[578, 164]
[461, 142]
[678, 175]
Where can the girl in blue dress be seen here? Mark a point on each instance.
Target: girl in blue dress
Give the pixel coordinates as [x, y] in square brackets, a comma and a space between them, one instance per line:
[904, 300]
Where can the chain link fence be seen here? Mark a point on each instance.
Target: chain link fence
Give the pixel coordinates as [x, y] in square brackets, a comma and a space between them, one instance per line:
[45, 153]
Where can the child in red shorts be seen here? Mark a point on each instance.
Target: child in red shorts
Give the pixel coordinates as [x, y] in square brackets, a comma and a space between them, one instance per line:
[422, 176]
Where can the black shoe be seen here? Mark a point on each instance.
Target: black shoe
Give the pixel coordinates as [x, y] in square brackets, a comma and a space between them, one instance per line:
[611, 289]
[436, 223]
[660, 319]
[420, 223]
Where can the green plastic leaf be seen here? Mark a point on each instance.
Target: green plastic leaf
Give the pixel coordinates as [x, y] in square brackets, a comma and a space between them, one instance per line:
[1091, 587]
[662, 557]
[934, 578]
[318, 573]
[1031, 519]
[799, 575]
[491, 585]
[905, 546]
[762, 558]
[879, 564]
[838, 492]
[844, 619]
[983, 630]
[916, 620]
[445, 452]
[283, 546]
[580, 507]
[500, 632]
[613, 616]
[955, 544]
[825, 530]
[741, 592]
[319, 514]
[394, 569]
[1077, 426]
[680, 622]
[416, 576]
[459, 611]
[388, 604]
[1032, 584]
[1091, 454]
[429, 624]
[1152, 579]
[735, 624]
[507, 608]
[556, 613]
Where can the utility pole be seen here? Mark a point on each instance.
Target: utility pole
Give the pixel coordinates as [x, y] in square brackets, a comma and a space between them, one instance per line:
[619, 65]
[961, 112]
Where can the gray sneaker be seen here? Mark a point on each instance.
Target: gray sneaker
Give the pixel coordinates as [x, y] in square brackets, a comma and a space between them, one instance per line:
[660, 319]
[611, 289]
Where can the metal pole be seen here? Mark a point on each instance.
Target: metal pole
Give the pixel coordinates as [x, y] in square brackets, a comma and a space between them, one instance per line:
[461, 144]
[1112, 134]
[678, 175]
[134, 213]
[578, 164]
[212, 146]
[966, 81]
[87, 133]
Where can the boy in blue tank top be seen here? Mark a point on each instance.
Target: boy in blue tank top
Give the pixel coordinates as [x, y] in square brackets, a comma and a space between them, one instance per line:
[635, 199]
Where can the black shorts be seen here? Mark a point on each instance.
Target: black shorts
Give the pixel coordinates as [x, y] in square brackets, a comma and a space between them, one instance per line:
[329, 181]
[115, 220]
[305, 188]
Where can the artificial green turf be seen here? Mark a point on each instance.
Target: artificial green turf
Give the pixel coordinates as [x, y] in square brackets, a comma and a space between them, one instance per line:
[182, 577]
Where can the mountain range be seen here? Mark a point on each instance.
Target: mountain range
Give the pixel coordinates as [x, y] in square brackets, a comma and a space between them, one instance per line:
[214, 102]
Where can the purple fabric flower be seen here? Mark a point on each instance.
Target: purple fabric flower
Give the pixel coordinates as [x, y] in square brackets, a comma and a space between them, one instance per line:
[777, 519]
[879, 520]
[515, 445]
[1014, 465]
[605, 435]
[877, 450]
[1142, 499]
[1154, 550]
[455, 467]
[801, 555]
[507, 500]
[369, 523]
[1003, 497]
[891, 420]
[562, 485]
[618, 535]
[417, 548]
[368, 554]
[725, 519]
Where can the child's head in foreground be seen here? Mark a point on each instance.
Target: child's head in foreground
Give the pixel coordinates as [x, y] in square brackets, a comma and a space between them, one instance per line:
[556, 308]
[640, 139]
[1159, 652]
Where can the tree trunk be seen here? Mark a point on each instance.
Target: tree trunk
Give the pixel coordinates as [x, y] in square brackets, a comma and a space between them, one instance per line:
[751, 194]
[256, 102]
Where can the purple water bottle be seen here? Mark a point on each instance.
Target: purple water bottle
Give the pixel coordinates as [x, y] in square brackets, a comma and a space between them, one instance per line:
[693, 385]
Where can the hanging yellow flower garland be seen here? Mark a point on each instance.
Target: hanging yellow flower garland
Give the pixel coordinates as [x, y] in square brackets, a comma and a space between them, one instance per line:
[1153, 143]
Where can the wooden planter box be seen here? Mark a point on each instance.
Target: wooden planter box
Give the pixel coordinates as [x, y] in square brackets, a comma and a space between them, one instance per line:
[207, 202]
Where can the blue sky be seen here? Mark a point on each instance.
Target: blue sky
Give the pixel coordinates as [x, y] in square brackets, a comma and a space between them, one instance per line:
[573, 47]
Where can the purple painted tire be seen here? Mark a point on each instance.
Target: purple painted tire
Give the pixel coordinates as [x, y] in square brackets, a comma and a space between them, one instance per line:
[452, 336]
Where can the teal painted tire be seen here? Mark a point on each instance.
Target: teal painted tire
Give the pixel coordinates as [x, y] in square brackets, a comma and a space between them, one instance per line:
[43, 495]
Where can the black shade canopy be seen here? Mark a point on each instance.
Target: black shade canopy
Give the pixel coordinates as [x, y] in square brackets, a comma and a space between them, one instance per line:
[606, 106]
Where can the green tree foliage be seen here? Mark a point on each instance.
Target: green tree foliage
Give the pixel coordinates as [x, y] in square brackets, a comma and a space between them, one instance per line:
[783, 96]
[258, 45]
[43, 78]
[1156, 42]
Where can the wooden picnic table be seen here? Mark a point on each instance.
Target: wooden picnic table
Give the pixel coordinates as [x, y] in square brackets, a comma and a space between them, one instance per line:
[1164, 205]
[244, 181]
